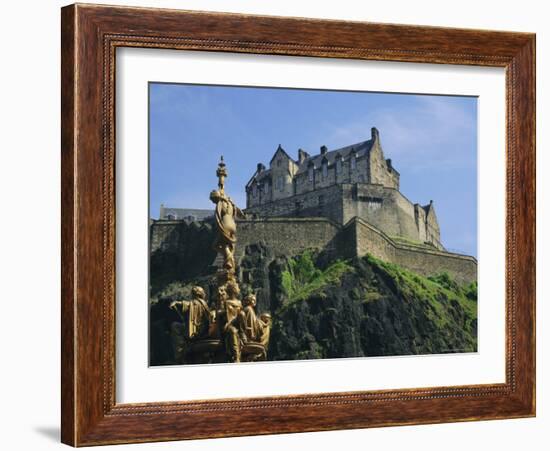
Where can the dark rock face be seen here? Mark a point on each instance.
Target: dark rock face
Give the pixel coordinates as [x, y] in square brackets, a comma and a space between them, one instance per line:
[333, 309]
[369, 314]
[186, 253]
[254, 274]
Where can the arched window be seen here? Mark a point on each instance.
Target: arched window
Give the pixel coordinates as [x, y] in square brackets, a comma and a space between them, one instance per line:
[325, 169]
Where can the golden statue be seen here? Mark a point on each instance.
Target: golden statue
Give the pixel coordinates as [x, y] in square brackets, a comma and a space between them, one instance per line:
[226, 213]
[228, 332]
[196, 321]
[254, 330]
[229, 321]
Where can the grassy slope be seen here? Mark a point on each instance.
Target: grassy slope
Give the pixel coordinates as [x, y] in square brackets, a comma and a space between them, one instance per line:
[370, 307]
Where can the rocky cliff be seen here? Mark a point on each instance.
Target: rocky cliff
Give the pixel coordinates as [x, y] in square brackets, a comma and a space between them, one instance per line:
[327, 308]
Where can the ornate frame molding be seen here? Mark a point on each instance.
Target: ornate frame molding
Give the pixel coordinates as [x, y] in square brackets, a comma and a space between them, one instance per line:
[90, 36]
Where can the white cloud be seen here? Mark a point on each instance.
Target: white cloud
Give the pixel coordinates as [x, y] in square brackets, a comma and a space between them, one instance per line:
[431, 133]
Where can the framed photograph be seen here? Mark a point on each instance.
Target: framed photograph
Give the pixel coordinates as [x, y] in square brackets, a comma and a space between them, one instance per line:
[279, 225]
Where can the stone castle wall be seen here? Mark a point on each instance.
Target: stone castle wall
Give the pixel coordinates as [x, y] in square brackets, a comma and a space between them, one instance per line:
[380, 170]
[288, 236]
[423, 260]
[190, 245]
[385, 208]
[324, 202]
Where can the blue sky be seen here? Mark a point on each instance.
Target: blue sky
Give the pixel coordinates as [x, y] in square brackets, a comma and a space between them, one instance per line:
[432, 141]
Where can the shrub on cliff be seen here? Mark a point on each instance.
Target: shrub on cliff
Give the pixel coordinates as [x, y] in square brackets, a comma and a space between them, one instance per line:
[302, 278]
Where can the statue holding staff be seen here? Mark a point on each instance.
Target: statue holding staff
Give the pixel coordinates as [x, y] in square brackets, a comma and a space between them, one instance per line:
[226, 212]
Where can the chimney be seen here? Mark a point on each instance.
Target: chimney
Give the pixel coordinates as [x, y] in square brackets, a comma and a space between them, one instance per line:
[302, 156]
[261, 168]
[323, 150]
[374, 134]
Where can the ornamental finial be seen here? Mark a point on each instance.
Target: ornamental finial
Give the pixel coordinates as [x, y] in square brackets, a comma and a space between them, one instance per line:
[221, 172]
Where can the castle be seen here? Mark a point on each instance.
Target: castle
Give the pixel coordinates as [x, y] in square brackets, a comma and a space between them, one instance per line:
[344, 202]
[353, 181]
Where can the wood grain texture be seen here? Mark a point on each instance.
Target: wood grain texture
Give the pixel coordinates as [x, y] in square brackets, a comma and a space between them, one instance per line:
[90, 36]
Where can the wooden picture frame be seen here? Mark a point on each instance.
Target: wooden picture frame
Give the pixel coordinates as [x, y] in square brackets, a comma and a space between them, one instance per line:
[90, 36]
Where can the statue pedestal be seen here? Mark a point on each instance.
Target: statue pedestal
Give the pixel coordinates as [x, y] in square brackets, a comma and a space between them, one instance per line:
[253, 352]
[206, 351]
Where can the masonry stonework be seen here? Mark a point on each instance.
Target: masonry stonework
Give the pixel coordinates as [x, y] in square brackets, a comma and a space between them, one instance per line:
[289, 236]
[422, 260]
[190, 244]
[341, 184]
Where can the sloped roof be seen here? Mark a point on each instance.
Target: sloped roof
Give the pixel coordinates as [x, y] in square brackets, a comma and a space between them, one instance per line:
[360, 148]
[259, 177]
[280, 149]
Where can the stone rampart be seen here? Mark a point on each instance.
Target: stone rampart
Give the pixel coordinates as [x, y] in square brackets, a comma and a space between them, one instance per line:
[190, 245]
[420, 259]
[323, 202]
[287, 236]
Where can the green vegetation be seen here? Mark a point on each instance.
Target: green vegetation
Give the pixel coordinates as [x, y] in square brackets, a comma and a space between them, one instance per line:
[302, 278]
[411, 242]
[368, 307]
[443, 294]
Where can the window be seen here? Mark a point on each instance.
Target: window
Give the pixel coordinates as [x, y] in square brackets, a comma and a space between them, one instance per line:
[279, 162]
[325, 170]
[339, 165]
[254, 190]
[321, 201]
[310, 173]
[353, 162]
[280, 183]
